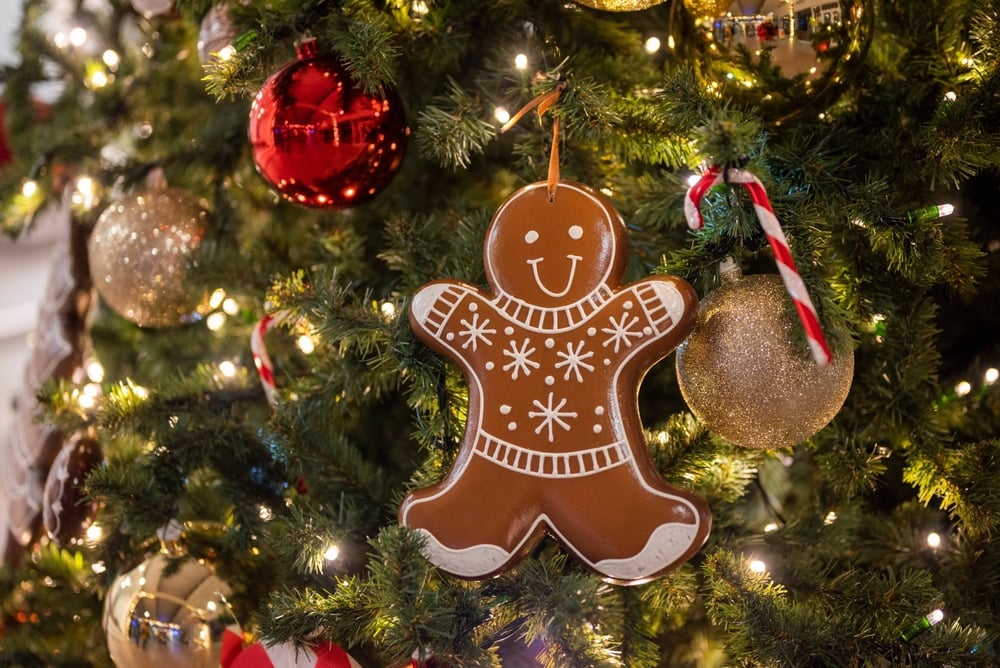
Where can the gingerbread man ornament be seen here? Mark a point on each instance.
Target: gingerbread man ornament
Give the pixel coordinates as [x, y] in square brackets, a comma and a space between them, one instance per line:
[554, 356]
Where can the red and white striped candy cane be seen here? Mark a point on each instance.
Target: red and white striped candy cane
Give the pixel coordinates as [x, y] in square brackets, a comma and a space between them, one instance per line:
[786, 265]
[261, 360]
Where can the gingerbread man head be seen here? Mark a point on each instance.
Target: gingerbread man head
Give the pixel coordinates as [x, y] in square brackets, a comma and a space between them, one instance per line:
[550, 254]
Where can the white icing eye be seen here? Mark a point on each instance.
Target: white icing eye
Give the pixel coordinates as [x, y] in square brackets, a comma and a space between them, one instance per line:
[531, 237]
[575, 232]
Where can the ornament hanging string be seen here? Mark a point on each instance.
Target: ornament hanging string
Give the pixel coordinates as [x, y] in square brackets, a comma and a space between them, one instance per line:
[544, 102]
[775, 236]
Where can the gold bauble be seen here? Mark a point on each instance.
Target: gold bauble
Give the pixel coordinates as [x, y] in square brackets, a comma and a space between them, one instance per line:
[621, 5]
[141, 254]
[744, 375]
[167, 613]
[710, 8]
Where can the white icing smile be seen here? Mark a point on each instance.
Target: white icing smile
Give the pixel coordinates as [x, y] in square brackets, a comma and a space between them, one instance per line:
[574, 259]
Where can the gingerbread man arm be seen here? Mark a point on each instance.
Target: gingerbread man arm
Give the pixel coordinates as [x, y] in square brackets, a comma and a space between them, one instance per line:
[433, 311]
[657, 311]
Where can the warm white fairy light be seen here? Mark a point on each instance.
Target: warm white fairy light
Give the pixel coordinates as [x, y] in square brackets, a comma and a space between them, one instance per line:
[85, 401]
[501, 114]
[935, 616]
[608, 191]
[111, 58]
[140, 391]
[265, 513]
[216, 299]
[95, 371]
[991, 376]
[770, 526]
[77, 36]
[652, 45]
[29, 188]
[227, 368]
[332, 552]
[94, 533]
[757, 566]
[92, 390]
[830, 518]
[230, 306]
[98, 79]
[61, 40]
[226, 52]
[521, 61]
[951, 96]
[215, 321]
[963, 388]
[670, 42]
[933, 540]
[388, 310]
[419, 7]
[306, 343]
[98, 567]
[83, 195]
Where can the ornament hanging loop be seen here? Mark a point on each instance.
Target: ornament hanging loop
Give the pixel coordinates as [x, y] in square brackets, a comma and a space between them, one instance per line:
[543, 103]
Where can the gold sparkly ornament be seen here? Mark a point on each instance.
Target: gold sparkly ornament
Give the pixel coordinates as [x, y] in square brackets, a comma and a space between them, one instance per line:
[707, 8]
[167, 613]
[142, 251]
[744, 374]
[621, 5]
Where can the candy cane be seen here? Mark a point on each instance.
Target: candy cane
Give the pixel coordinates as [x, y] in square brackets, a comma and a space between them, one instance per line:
[782, 255]
[261, 359]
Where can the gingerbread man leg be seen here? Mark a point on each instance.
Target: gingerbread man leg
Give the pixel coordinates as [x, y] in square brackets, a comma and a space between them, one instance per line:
[479, 520]
[627, 528]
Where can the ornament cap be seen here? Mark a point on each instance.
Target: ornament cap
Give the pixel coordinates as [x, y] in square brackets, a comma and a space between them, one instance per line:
[170, 538]
[306, 48]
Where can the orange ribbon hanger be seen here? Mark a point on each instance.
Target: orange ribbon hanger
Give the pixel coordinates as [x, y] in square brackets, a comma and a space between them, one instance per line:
[544, 102]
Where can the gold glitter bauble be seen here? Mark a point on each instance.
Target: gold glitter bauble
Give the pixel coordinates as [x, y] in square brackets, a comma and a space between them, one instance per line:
[743, 374]
[141, 254]
[621, 5]
[701, 8]
[167, 613]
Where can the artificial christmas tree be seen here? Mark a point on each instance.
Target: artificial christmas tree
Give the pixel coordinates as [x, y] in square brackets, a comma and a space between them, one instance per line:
[283, 426]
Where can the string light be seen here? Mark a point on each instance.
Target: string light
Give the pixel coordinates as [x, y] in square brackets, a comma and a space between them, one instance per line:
[921, 625]
[95, 371]
[670, 42]
[652, 45]
[930, 213]
[264, 513]
[61, 40]
[227, 368]
[98, 79]
[388, 310]
[77, 37]
[830, 518]
[501, 114]
[306, 344]
[963, 388]
[770, 526]
[83, 195]
[94, 533]
[332, 552]
[230, 306]
[215, 321]
[29, 188]
[420, 8]
[111, 58]
[951, 96]
[521, 61]
[757, 566]
[226, 52]
[991, 376]
[933, 540]
[216, 299]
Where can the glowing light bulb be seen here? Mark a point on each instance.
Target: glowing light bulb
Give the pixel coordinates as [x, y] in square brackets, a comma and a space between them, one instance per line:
[991, 376]
[98, 79]
[830, 518]
[332, 552]
[85, 401]
[98, 567]
[306, 344]
[61, 40]
[963, 388]
[419, 7]
[77, 36]
[501, 114]
[757, 566]
[521, 61]
[670, 42]
[951, 96]
[226, 52]
[227, 368]
[29, 188]
[770, 526]
[933, 540]
[264, 513]
[652, 45]
[95, 371]
[230, 306]
[215, 321]
[111, 58]
[216, 299]
[94, 533]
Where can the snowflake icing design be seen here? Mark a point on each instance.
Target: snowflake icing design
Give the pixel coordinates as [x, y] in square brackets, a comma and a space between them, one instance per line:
[573, 361]
[521, 359]
[621, 332]
[476, 332]
[551, 415]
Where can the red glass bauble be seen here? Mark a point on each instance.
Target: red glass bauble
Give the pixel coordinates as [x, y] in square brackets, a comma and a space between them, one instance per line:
[321, 141]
